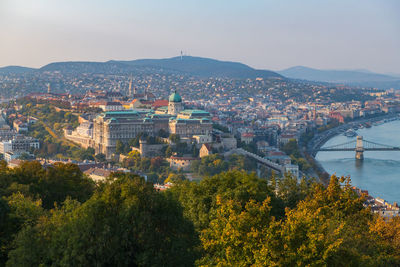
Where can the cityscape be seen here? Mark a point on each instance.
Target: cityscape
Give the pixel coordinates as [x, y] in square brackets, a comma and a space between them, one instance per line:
[186, 160]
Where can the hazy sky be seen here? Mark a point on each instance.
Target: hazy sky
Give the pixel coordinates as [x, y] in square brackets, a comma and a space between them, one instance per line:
[275, 34]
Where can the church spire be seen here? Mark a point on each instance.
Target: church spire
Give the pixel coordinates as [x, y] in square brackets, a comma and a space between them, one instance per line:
[130, 87]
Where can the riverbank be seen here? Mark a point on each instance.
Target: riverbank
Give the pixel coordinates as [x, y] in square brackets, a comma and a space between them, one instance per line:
[320, 139]
[379, 172]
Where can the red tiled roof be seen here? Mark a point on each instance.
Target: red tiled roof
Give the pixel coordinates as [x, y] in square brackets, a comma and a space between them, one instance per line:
[247, 135]
[160, 103]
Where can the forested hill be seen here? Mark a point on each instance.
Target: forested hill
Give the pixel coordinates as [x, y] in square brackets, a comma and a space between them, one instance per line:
[205, 67]
[15, 69]
[186, 65]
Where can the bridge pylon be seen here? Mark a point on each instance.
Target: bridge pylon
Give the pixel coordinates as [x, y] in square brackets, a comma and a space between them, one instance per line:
[359, 148]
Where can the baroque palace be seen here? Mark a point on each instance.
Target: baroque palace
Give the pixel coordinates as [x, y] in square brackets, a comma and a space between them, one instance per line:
[105, 129]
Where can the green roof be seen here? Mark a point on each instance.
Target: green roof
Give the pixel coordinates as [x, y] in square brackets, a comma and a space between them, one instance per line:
[194, 111]
[175, 97]
[122, 112]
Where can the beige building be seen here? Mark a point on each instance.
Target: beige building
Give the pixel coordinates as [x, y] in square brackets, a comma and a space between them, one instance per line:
[190, 127]
[108, 127]
[205, 150]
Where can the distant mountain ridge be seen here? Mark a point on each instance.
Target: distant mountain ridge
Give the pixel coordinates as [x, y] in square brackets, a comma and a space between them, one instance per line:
[336, 76]
[205, 67]
[196, 66]
[15, 69]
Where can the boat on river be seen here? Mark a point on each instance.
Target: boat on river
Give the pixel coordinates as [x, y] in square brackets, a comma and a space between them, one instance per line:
[350, 133]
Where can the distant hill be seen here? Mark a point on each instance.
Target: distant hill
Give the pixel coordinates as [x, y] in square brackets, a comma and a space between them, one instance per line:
[196, 66]
[86, 67]
[15, 69]
[362, 77]
[204, 67]
[335, 76]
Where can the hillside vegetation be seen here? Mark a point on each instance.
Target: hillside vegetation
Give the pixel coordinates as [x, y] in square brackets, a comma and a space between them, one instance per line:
[58, 217]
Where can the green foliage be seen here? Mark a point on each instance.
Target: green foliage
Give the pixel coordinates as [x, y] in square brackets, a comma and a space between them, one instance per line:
[200, 199]
[329, 227]
[125, 223]
[49, 131]
[119, 147]
[156, 166]
[231, 219]
[291, 192]
[51, 185]
[168, 152]
[251, 147]
[27, 191]
[163, 133]
[175, 177]
[235, 232]
[291, 148]
[330, 125]
[220, 127]
[175, 138]
[100, 157]
[216, 163]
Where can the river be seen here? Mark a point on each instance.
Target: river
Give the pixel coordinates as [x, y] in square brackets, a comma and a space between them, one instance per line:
[379, 173]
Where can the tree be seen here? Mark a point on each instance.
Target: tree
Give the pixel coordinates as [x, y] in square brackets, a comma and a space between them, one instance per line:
[133, 159]
[119, 147]
[156, 163]
[125, 223]
[330, 227]
[24, 156]
[387, 238]
[162, 133]
[100, 157]
[291, 148]
[168, 152]
[236, 233]
[53, 184]
[200, 199]
[175, 138]
[174, 177]
[291, 192]
[134, 154]
[16, 212]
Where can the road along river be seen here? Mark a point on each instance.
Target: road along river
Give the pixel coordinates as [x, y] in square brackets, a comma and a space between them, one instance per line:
[379, 172]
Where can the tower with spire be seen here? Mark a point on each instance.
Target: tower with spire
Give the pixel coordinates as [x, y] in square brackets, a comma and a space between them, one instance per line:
[130, 87]
[48, 88]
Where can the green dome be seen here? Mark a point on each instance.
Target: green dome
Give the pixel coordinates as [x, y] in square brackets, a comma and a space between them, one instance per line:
[175, 97]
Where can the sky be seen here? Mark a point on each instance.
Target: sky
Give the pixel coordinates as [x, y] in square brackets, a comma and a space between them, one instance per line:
[265, 34]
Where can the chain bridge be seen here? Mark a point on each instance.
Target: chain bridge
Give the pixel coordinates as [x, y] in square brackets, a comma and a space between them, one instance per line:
[359, 146]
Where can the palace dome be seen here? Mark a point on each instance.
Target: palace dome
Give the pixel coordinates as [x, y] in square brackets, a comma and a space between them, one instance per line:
[175, 97]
